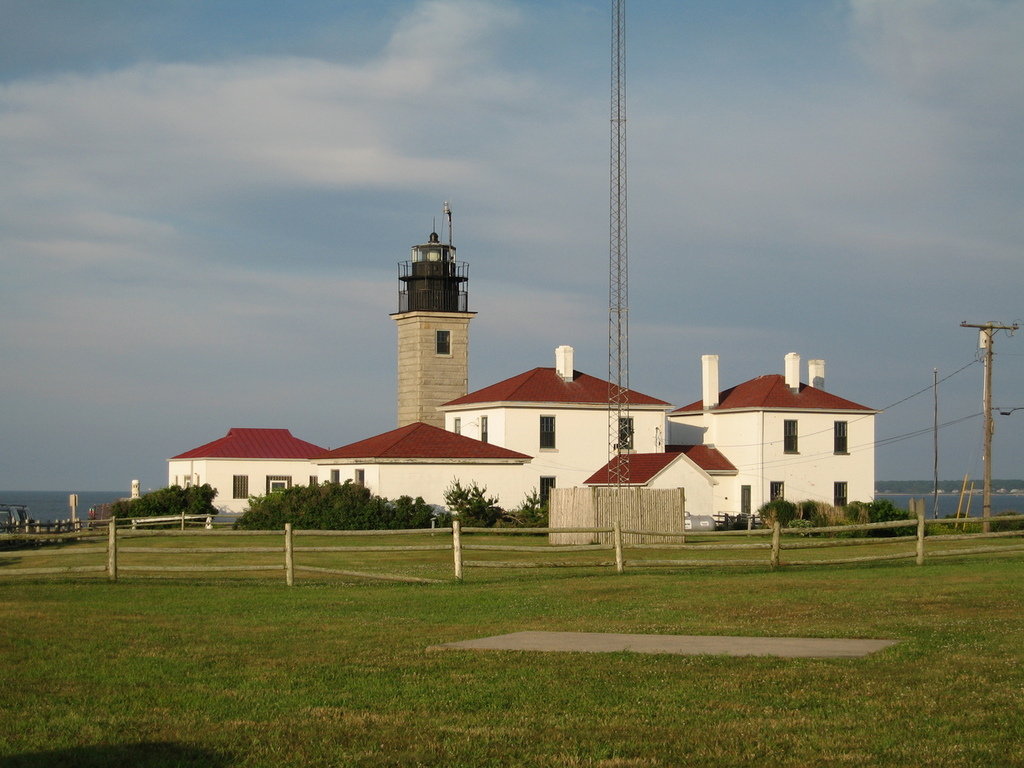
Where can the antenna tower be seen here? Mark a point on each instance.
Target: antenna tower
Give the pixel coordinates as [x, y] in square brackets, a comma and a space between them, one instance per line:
[619, 439]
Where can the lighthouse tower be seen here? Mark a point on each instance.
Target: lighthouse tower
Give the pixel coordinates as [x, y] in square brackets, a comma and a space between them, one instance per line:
[433, 330]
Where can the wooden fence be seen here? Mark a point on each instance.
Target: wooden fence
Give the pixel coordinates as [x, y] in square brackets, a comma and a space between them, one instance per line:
[109, 543]
[592, 512]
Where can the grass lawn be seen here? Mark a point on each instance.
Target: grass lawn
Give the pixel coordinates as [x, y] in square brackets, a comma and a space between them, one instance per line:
[225, 671]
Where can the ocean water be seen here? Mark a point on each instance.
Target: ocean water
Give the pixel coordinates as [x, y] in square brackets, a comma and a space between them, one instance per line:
[47, 506]
[1001, 503]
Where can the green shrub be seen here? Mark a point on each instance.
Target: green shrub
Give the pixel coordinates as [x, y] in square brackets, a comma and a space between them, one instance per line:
[857, 512]
[472, 505]
[798, 524]
[172, 501]
[532, 513]
[950, 527]
[778, 510]
[1008, 525]
[333, 506]
[884, 511]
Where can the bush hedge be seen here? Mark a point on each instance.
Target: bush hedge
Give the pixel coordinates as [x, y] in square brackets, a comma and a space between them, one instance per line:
[334, 506]
[166, 502]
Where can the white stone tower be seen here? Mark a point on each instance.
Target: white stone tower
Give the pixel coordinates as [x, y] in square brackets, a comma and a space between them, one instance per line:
[433, 331]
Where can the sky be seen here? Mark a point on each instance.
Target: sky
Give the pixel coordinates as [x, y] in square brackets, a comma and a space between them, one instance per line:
[203, 206]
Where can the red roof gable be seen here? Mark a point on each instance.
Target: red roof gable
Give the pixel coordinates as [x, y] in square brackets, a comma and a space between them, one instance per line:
[421, 441]
[643, 467]
[771, 392]
[707, 458]
[544, 385]
[245, 443]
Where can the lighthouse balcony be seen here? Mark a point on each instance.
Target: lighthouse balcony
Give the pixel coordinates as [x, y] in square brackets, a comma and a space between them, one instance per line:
[416, 299]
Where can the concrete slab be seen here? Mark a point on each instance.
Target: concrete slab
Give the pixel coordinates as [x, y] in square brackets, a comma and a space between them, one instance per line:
[688, 645]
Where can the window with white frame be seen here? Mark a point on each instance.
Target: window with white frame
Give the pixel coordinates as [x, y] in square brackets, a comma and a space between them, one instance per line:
[626, 433]
[839, 494]
[443, 342]
[789, 436]
[278, 482]
[483, 429]
[776, 490]
[547, 431]
[546, 484]
[839, 437]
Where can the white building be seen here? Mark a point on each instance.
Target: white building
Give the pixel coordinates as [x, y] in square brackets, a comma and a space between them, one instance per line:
[422, 460]
[244, 463]
[731, 451]
[559, 416]
[785, 438]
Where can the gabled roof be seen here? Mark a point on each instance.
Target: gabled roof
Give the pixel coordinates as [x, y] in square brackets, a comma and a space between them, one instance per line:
[246, 443]
[544, 385]
[644, 467]
[704, 456]
[771, 392]
[421, 441]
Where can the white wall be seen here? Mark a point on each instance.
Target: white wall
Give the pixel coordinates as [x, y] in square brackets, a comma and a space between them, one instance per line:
[581, 438]
[431, 480]
[753, 442]
[220, 473]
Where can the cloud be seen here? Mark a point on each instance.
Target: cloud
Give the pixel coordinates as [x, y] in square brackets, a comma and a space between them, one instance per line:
[232, 219]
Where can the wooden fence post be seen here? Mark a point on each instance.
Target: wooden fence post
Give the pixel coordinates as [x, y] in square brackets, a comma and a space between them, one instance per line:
[617, 534]
[457, 546]
[112, 550]
[682, 514]
[776, 543]
[289, 556]
[919, 508]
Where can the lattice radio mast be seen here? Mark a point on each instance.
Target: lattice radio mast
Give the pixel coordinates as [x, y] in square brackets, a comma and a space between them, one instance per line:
[619, 437]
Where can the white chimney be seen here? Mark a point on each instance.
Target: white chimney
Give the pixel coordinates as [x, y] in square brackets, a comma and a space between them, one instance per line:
[793, 371]
[563, 362]
[816, 373]
[709, 369]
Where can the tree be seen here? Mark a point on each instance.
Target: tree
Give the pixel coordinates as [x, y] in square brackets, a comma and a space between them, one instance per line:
[532, 513]
[472, 505]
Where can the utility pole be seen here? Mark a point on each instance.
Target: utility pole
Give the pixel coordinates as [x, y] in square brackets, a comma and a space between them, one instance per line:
[986, 340]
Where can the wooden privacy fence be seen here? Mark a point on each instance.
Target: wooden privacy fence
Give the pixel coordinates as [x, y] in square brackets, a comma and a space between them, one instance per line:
[618, 543]
[591, 512]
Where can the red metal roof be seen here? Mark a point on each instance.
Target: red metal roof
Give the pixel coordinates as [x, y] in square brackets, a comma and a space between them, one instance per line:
[421, 441]
[544, 385]
[771, 392]
[246, 443]
[643, 467]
